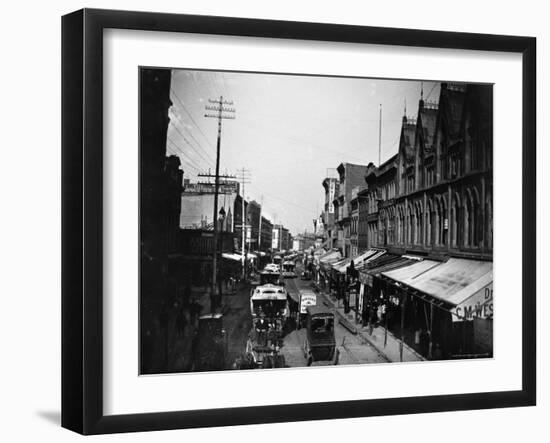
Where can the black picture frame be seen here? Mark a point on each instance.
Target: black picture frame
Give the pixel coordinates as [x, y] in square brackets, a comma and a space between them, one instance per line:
[82, 218]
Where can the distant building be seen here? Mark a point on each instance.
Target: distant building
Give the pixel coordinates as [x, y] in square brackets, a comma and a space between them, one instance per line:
[197, 206]
[303, 241]
[330, 184]
[282, 239]
[276, 238]
[266, 235]
[350, 177]
[254, 212]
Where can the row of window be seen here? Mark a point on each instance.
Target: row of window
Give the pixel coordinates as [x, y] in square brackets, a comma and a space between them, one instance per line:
[464, 224]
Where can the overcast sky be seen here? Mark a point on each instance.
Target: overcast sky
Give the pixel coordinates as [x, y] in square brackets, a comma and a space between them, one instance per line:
[288, 131]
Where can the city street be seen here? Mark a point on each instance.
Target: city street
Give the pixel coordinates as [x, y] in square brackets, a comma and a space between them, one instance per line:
[238, 323]
[352, 350]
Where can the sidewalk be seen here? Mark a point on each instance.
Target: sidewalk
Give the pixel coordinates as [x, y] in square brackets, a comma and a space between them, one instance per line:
[391, 352]
[202, 296]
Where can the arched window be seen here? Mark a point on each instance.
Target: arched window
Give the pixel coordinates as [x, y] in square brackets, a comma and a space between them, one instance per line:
[455, 221]
[428, 215]
[400, 223]
[477, 224]
[489, 222]
[418, 239]
[442, 216]
[410, 224]
[471, 219]
[467, 208]
[435, 222]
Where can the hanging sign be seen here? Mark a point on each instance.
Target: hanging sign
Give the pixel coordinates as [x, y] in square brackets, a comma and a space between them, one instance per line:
[307, 299]
[361, 295]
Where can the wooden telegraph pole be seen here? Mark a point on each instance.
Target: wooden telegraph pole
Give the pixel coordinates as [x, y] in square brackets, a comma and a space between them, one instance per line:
[244, 178]
[223, 110]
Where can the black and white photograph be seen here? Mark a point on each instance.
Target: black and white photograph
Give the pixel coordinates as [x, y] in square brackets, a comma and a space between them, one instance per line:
[292, 221]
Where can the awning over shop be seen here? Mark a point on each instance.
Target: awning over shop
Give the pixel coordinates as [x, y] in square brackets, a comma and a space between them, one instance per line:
[385, 263]
[231, 256]
[476, 300]
[408, 273]
[341, 264]
[330, 257]
[333, 255]
[465, 285]
[455, 280]
[358, 260]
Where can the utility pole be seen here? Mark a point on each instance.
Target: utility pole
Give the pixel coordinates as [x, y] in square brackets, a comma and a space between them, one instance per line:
[244, 177]
[223, 110]
[380, 138]
[260, 224]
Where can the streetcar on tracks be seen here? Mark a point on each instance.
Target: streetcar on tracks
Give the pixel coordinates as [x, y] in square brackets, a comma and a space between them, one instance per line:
[270, 277]
[270, 312]
[289, 269]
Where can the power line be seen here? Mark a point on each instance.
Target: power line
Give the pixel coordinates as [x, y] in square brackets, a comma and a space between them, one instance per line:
[208, 162]
[179, 120]
[188, 160]
[192, 119]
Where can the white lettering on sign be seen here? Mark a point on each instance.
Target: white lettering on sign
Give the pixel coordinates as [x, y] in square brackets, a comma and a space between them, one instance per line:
[479, 305]
[307, 300]
[331, 192]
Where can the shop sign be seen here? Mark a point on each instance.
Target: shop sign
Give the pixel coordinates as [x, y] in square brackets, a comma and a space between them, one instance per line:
[352, 298]
[307, 300]
[479, 305]
[361, 295]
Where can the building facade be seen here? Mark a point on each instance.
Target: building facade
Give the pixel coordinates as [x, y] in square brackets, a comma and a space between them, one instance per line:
[435, 196]
[350, 176]
[330, 185]
[266, 235]
[254, 211]
[432, 203]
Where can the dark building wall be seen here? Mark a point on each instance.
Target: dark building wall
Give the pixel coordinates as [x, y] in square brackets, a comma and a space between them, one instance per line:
[160, 205]
[254, 214]
[267, 235]
[155, 204]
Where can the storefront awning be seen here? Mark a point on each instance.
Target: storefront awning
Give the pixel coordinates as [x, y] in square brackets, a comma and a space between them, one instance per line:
[341, 264]
[386, 263]
[406, 274]
[231, 256]
[358, 260]
[464, 285]
[330, 256]
[319, 251]
[455, 280]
